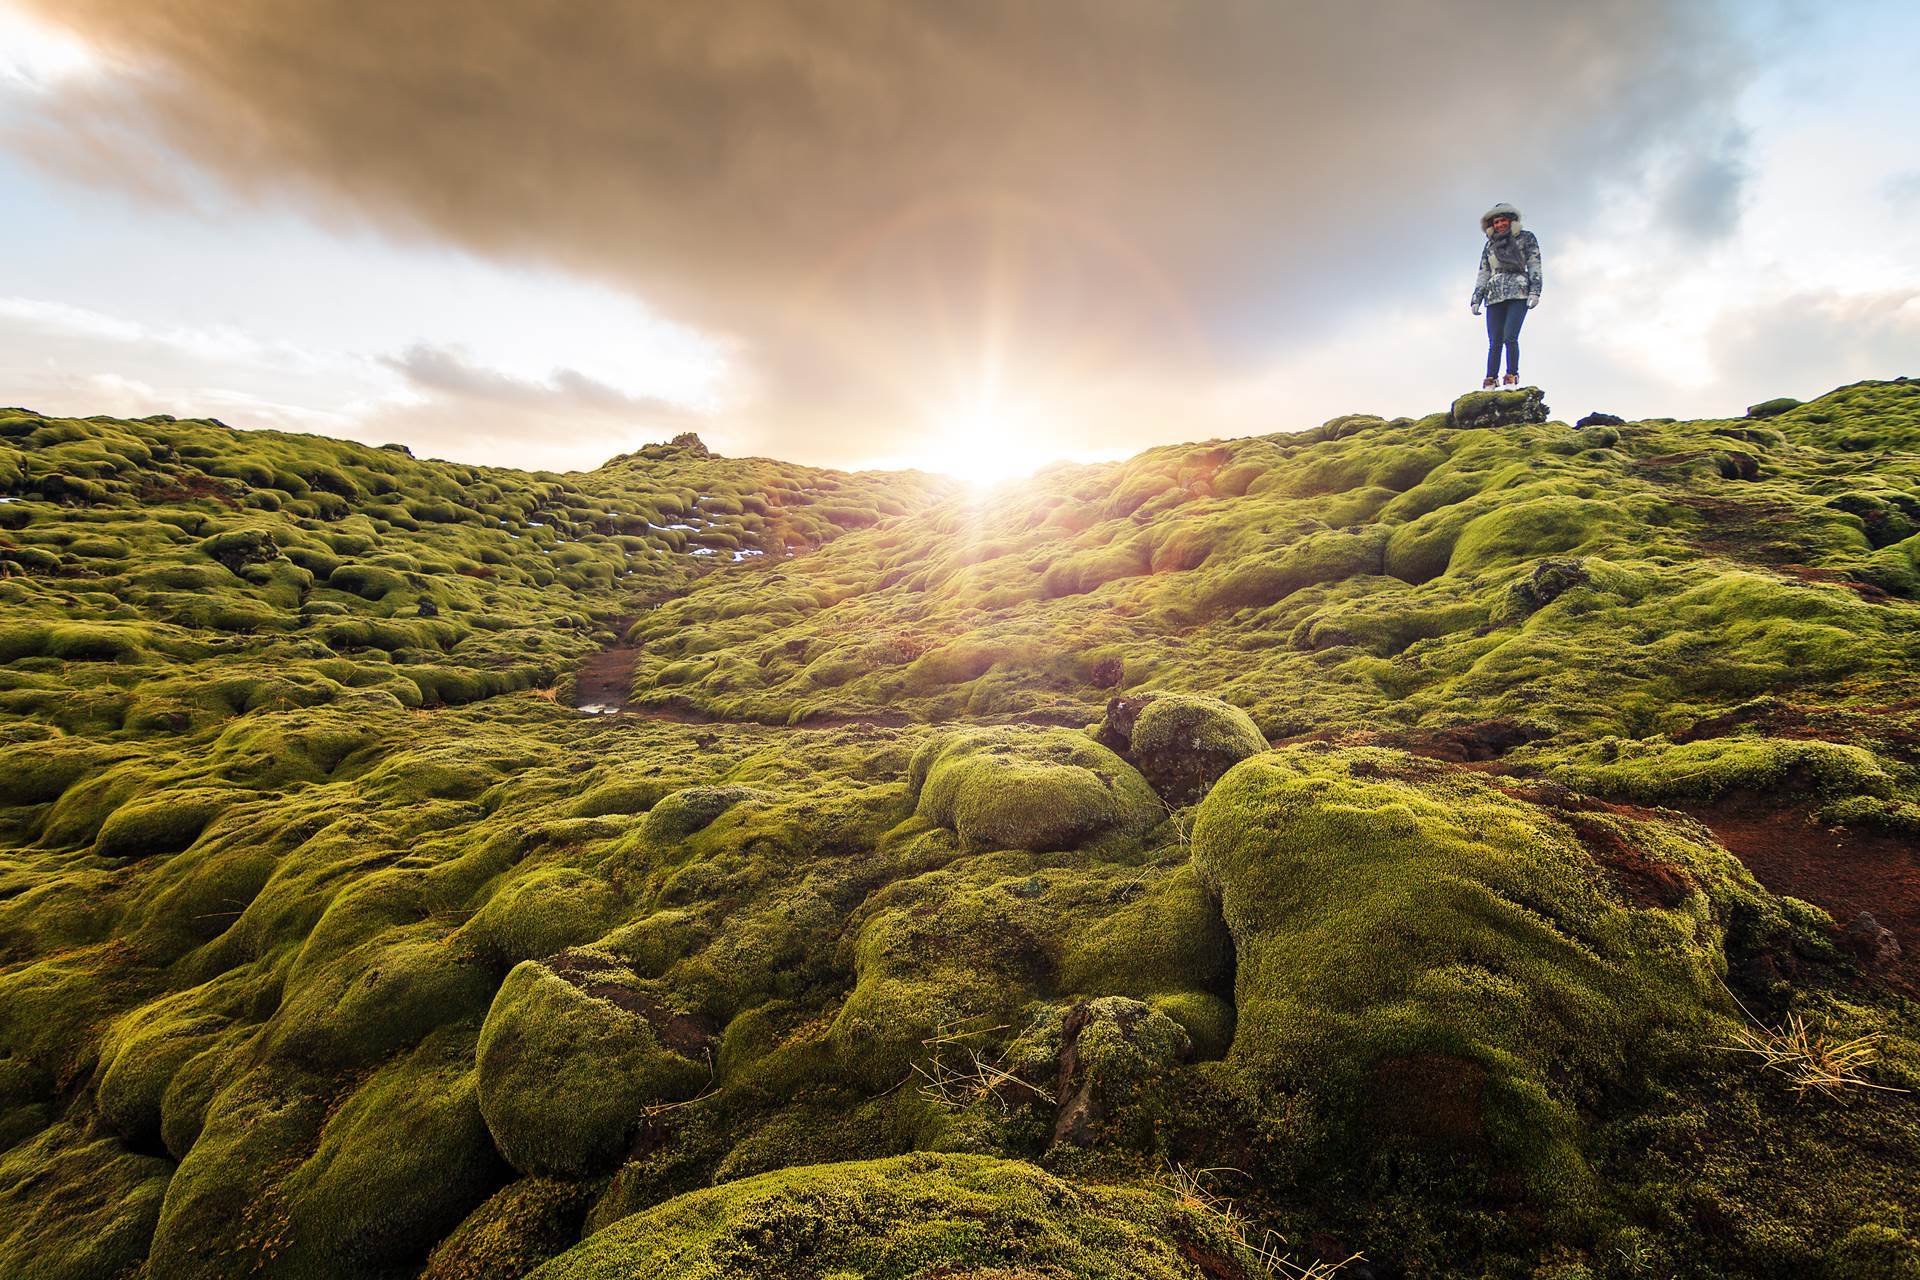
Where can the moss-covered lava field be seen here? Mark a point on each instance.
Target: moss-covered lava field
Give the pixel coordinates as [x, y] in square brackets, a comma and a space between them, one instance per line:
[1473, 846]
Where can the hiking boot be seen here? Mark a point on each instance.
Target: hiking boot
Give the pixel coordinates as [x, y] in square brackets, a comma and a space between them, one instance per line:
[1486, 384]
[1511, 380]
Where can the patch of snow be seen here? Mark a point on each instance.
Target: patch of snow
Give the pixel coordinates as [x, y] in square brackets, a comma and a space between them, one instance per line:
[744, 553]
[701, 551]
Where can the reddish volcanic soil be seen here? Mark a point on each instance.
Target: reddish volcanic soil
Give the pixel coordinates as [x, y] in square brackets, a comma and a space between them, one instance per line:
[1846, 872]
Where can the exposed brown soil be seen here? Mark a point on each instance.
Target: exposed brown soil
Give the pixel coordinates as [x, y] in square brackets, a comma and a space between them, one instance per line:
[1760, 533]
[1214, 1266]
[1836, 578]
[1747, 530]
[1643, 881]
[605, 677]
[1463, 743]
[1430, 1098]
[685, 1033]
[1844, 871]
[188, 489]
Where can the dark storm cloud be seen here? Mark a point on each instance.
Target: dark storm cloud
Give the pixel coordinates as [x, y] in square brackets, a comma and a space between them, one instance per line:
[866, 196]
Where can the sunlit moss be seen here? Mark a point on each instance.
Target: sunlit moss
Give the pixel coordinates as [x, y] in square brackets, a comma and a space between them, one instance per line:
[904, 1217]
[310, 881]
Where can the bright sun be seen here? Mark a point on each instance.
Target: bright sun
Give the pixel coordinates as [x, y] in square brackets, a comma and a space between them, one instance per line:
[986, 444]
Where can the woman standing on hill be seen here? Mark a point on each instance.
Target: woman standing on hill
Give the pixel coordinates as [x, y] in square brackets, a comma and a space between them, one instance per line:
[1509, 286]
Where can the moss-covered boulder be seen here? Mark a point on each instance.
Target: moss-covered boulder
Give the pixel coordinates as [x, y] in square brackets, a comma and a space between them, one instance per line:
[1442, 968]
[396, 1167]
[1772, 408]
[1164, 936]
[1180, 742]
[1099, 1056]
[1499, 408]
[570, 1059]
[225, 1207]
[542, 911]
[518, 1227]
[1023, 789]
[911, 1216]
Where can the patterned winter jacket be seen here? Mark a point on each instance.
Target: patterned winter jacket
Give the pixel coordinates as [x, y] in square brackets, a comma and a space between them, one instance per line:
[1499, 286]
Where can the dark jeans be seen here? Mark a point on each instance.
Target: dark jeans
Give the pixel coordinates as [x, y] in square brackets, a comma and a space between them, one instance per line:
[1503, 329]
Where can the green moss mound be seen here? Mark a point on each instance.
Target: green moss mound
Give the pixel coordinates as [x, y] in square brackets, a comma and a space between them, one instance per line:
[1016, 789]
[1435, 964]
[165, 823]
[911, 1216]
[567, 1069]
[74, 1208]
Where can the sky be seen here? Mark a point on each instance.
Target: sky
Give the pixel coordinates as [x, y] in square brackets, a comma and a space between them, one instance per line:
[965, 235]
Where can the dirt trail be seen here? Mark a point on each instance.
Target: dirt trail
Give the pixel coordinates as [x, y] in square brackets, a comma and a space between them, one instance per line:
[605, 679]
[1846, 872]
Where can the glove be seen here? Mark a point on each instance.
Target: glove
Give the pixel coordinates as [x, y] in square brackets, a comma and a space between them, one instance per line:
[1532, 303]
[1476, 307]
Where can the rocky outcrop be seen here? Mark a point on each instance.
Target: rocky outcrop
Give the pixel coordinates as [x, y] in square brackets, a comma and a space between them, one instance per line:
[1875, 944]
[1512, 408]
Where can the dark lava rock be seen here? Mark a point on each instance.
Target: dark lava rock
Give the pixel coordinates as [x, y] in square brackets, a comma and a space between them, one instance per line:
[1598, 419]
[241, 547]
[1468, 741]
[1110, 1047]
[1499, 408]
[1873, 943]
[1550, 580]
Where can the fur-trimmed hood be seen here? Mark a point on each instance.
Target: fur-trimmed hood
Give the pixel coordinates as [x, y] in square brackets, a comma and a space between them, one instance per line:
[1486, 219]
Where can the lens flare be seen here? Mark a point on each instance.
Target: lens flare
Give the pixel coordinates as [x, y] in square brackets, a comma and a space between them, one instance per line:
[985, 444]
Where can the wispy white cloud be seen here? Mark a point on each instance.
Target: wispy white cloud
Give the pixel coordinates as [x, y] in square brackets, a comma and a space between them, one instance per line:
[223, 344]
